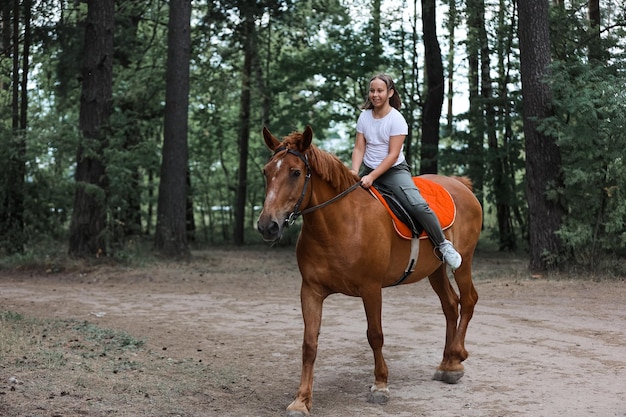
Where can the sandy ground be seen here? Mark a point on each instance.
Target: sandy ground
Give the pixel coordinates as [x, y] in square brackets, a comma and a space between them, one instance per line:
[538, 346]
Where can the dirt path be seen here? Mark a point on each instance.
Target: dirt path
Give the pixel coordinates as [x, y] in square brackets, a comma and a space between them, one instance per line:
[537, 347]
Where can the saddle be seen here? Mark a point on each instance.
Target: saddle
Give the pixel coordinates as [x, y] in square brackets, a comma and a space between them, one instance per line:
[437, 197]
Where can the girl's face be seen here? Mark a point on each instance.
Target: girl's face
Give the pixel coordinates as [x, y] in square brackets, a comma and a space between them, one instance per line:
[379, 93]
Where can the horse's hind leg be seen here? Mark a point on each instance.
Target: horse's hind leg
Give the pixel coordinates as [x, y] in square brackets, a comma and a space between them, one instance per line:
[451, 369]
[469, 298]
[372, 301]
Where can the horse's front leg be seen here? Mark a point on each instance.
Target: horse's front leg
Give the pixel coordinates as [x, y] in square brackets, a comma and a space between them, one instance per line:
[312, 302]
[372, 301]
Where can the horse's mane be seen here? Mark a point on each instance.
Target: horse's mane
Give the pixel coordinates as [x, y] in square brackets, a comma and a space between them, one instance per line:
[326, 165]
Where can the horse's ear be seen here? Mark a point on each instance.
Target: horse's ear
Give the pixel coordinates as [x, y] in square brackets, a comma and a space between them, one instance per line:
[307, 138]
[270, 140]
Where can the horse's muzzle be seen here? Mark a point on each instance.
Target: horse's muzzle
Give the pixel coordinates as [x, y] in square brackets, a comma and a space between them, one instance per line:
[270, 229]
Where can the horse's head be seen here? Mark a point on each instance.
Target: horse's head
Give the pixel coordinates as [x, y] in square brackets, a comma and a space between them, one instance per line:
[287, 175]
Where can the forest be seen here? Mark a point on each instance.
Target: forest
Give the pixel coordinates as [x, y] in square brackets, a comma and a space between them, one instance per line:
[128, 124]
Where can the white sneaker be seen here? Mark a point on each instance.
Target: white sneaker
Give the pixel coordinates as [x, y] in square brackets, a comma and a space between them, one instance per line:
[450, 255]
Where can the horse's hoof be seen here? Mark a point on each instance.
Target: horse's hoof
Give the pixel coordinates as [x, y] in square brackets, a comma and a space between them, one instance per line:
[449, 377]
[291, 413]
[378, 396]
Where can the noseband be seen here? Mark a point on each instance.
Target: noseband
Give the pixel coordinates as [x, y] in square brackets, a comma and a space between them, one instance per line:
[295, 213]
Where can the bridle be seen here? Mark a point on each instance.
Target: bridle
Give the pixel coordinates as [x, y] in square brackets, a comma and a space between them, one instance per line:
[296, 212]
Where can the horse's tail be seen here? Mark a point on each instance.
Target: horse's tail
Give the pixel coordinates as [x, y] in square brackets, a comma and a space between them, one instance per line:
[466, 182]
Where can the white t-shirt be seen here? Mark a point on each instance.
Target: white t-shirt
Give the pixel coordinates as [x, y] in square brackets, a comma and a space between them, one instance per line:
[377, 133]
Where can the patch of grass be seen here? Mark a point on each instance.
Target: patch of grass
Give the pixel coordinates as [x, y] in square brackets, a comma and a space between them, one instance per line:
[110, 339]
[41, 343]
[60, 362]
[10, 316]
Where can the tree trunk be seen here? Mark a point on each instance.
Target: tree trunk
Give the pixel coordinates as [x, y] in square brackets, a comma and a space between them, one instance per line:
[25, 69]
[453, 21]
[434, 91]
[501, 191]
[244, 123]
[88, 226]
[411, 98]
[543, 160]
[508, 211]
[128, 221]
[475, 144]
[12, 237]
[263, 80]
[596, 53]
[5, 45]
[377, 46]
[171, 228]
[190, 218]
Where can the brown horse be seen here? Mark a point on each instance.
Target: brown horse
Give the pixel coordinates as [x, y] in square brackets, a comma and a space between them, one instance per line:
[348, 245]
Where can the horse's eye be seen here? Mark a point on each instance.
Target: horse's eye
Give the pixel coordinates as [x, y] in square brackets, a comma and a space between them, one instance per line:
[296, 173]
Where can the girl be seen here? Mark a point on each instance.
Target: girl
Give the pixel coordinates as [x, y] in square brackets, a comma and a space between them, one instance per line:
[381, 130]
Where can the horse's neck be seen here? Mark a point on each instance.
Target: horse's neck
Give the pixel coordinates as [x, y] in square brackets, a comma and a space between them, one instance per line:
[321, 191]
[324, 191]
[333, 214]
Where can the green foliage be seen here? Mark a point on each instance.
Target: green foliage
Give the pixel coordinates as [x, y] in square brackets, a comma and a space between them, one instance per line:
[313, 59]
[590, 124]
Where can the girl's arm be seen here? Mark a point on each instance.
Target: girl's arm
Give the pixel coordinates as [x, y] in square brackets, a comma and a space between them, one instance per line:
[395, 147]
[357, 153]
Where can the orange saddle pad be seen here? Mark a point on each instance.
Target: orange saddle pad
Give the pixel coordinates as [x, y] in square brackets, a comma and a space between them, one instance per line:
[437, 197]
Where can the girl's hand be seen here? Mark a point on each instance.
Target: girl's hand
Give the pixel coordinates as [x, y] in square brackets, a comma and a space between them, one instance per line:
[366, 181]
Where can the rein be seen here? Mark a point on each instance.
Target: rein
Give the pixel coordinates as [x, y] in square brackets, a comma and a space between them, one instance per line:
[296, 212]
[332, 200]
